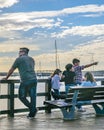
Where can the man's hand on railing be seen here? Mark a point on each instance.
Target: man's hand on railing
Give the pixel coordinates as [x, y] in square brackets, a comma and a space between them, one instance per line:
[4, 78]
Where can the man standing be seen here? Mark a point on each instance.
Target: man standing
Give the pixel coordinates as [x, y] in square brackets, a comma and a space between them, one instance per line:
[25, 65]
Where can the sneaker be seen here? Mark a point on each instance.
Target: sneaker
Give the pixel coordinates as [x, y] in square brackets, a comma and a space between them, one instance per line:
[32, 115]
[81, 110]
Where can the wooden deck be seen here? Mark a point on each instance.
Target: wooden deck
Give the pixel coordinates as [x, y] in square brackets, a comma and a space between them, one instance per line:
[43, 121]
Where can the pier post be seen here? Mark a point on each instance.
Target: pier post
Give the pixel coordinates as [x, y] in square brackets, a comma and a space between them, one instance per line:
[102, 82]
[11, 99]
[48, 95]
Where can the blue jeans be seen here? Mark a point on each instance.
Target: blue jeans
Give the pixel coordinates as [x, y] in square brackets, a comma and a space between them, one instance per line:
[56, 91]
[28, 88]
[67, 87]
[55, 94]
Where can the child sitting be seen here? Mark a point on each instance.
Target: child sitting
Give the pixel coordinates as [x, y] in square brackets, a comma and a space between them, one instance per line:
[55, 83]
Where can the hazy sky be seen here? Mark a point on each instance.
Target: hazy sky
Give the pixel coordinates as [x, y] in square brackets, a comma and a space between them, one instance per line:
[76, 25]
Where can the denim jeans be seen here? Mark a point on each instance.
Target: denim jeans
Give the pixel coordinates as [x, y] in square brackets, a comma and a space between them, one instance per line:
[28, 88]
[67, 87]
[55, 93]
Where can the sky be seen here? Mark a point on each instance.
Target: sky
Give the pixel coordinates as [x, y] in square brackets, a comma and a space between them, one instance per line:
[77, 26]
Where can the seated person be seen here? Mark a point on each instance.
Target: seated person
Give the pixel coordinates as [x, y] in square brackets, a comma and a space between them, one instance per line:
[89, 80]
[55, 83]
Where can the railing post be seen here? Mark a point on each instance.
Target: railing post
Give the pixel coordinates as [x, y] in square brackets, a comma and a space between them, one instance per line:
[11, 99]
[48, 95]
[102, 82]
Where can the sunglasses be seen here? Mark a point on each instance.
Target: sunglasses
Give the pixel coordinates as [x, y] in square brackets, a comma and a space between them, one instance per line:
[21, 51]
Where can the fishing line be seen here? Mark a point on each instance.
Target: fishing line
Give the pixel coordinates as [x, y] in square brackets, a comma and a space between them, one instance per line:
[0, 95]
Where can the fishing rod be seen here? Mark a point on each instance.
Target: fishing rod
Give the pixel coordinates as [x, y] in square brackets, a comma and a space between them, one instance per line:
[0, 95]
[57, 60]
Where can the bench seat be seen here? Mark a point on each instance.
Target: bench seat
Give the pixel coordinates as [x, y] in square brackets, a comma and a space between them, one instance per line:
[80, 96]
[58, 103]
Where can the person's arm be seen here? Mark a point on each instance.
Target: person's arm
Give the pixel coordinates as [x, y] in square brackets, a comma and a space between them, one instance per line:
[62, 77]
[9, 73]
[94, 63]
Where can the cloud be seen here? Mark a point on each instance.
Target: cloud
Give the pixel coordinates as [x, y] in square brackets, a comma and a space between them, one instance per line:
[93, 15]
[95, 48]
[83, 9]
[18, 24]
[7, 3]
[9, 34]
[92, 30]
[34, 29]
[42, 19]
[47, 60]
[14, 47]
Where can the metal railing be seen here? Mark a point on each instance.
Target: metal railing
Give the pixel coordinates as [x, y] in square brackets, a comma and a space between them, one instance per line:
[10, 96]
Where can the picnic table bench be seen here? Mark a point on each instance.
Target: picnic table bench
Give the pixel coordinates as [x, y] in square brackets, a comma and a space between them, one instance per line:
[79, 96]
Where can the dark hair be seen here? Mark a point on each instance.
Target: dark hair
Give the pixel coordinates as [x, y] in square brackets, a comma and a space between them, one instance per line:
[26, 50]
[68, 66]
[57, 71]
[75, 60]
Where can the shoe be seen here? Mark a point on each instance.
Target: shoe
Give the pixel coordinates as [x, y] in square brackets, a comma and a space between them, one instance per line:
[54, 95]
[81, 110]
[32, 115]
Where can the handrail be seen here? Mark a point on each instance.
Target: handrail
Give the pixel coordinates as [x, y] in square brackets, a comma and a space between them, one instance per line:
[10, 96]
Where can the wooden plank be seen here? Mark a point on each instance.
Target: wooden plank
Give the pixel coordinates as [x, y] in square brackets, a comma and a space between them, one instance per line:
[86, 93]
[58, 103]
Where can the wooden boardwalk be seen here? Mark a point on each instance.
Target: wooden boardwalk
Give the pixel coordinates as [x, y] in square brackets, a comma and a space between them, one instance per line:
[43, 121]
